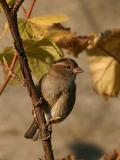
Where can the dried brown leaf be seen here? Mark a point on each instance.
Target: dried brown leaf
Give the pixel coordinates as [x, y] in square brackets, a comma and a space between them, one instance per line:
[104, 61]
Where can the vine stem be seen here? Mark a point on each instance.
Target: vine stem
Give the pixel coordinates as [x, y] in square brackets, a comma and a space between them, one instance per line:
[11, 15]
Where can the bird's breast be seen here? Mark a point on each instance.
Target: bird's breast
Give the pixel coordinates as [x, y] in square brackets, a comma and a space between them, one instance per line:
[52, 88]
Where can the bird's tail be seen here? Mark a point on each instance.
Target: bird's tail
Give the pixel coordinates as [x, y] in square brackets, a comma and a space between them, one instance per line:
[32, 131]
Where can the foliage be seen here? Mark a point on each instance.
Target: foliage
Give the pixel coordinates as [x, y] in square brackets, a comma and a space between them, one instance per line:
[38, 27]
[43, 36]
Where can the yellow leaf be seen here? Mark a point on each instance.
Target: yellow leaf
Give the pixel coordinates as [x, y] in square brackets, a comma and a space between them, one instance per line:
[104, 61]
[48, 19]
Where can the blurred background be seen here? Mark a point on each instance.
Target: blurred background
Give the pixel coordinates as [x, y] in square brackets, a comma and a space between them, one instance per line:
[93, 127]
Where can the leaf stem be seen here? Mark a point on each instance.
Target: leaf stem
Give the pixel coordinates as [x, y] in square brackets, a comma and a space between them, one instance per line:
[31, 9]
[110, 54]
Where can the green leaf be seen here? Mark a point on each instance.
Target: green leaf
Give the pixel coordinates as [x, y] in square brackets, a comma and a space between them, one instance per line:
[10, 3]
[40, 53]
[8, 54]
[30, 30]
[48, 19]
[104, 61]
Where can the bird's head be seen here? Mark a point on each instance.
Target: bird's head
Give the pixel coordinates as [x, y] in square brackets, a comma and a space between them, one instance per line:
[65, 67]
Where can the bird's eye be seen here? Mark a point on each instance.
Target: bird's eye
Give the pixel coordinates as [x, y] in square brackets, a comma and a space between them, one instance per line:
[68, 67]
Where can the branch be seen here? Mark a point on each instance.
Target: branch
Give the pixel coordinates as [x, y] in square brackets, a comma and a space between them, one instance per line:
[45, 133]
[16, 6]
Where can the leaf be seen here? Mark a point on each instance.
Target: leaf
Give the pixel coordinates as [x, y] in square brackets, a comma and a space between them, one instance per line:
[30, 30]
[48, 19]
[104, 62]
[7, 54]
[40, 53]
[62, 36]
[10, 3]
[68, 40]
[37, 27]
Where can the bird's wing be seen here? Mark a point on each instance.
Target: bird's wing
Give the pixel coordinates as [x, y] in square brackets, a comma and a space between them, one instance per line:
[38, 88]
[59, 106]
[64, 104]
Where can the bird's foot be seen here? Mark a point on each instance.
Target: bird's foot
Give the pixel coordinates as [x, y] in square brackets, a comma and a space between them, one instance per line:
[54, 120]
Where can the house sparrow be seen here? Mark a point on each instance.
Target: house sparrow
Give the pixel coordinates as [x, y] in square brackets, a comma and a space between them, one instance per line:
[58, 90]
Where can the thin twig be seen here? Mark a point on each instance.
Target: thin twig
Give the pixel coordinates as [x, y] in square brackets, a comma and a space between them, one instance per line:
[9, 74]
[16, 6]
[24, 10]
[13, 61]
[31, 9]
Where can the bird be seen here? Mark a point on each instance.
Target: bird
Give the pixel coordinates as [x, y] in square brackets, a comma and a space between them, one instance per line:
[58, 90]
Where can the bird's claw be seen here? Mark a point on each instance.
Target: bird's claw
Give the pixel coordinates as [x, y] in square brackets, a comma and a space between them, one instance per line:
[53, 120]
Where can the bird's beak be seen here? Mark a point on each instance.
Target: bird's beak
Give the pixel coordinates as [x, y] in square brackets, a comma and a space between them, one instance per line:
[77, 70]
